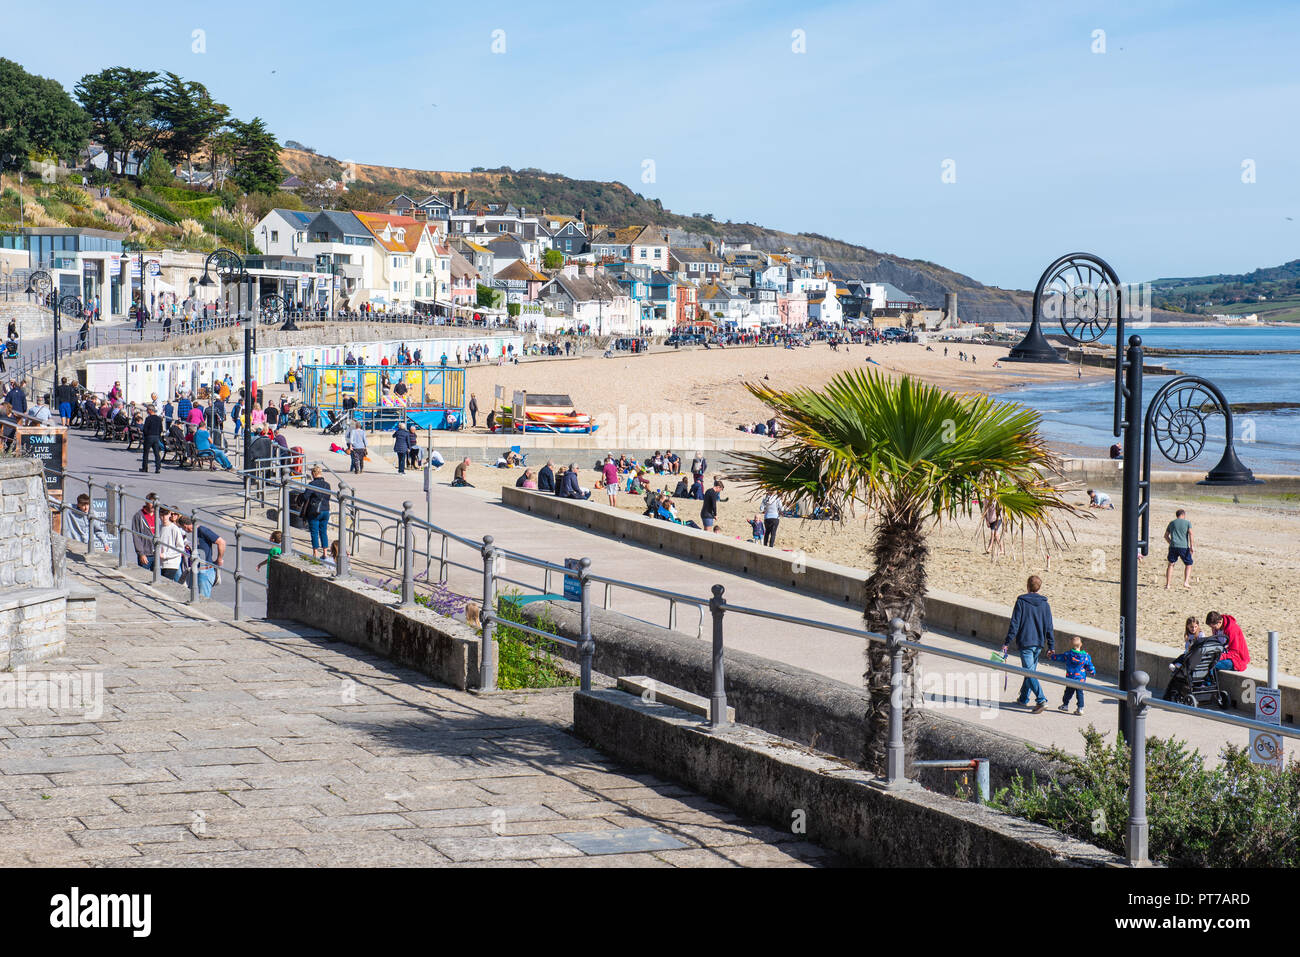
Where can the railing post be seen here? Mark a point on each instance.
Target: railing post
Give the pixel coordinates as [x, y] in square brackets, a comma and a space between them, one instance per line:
[157, 548]
[442, 561]
[123, 527]
[239, 573]
[408, 557]
[248, 490]
[90, 518]
[195, 560]
[341, 566]
[286, 528]
[586, 644]
[1138, 829]
[718, 699]
[487, 660]
[672, 614]
[895, 761]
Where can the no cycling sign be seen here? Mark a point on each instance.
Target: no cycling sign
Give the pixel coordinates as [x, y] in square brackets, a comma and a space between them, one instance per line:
[1266, 746]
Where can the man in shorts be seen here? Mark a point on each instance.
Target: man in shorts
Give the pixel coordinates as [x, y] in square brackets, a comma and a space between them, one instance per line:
[1179, 536]
[709, 512]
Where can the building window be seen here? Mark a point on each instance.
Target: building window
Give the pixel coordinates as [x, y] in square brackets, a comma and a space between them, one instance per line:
[275, 235]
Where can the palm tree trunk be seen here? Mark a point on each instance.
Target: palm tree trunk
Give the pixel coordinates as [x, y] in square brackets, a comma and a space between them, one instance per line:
[895, 589]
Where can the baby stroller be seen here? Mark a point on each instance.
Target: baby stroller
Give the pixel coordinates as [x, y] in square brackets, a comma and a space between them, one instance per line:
[1195, 679]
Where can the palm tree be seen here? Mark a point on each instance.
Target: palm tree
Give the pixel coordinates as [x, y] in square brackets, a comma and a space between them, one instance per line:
[911, 455]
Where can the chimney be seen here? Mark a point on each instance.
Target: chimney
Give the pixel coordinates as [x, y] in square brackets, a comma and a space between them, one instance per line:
[950, 308]
[569, 270]
[582, 215]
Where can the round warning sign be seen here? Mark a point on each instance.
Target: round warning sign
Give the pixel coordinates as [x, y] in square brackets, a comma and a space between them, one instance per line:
[1267, 704]
[1266, 747]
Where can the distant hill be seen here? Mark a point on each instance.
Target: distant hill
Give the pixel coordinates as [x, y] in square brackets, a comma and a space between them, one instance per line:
[1273, 292]
[616, 205]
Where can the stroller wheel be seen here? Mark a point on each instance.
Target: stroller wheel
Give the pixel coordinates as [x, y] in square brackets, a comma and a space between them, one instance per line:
[1189, 699]
[1224, 700]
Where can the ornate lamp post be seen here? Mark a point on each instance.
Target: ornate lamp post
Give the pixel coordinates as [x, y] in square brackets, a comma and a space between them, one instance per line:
[1086, 296]
[230, 268]
[41, 284]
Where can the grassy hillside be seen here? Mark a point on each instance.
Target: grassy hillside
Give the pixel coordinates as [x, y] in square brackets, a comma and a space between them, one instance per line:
[1273, 292]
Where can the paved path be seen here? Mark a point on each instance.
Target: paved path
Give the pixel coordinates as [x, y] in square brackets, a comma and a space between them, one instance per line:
[260, 744]
[474, 512]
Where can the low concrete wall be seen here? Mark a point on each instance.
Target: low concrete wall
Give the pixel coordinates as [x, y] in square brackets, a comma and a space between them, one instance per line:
[784, 700]
[944, 611]
[366, 616]
[1108, 474]
[763, 776]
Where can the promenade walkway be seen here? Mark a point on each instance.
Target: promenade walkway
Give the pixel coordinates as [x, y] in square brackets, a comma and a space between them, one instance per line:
[267, 744]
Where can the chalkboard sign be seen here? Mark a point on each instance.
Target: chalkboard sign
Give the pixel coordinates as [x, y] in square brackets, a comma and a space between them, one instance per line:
[99, 520]
[47, 448]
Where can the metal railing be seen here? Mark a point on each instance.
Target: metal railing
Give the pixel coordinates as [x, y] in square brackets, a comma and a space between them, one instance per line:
[273, 474]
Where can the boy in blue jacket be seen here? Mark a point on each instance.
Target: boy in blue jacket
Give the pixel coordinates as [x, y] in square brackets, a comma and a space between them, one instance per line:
[1078, 667]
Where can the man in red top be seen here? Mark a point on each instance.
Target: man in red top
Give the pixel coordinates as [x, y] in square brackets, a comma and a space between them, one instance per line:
[1237, 656]
[609, 472]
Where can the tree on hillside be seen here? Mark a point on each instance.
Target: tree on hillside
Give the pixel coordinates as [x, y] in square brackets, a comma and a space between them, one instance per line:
[186, 116]
[120, 103]
[221, 155]
[37, 116]
[552, 259]
[157, 171]
[911, 455]
[257, 157]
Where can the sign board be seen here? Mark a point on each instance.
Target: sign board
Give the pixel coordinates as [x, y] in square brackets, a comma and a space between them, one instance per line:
[99, 519]
[47, 448]
[1266, 746]
[517, 409]
[155, 267]
[572, 587]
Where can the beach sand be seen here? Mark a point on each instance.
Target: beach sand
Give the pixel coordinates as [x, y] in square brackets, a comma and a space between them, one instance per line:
[704, 388]
[1246, 561]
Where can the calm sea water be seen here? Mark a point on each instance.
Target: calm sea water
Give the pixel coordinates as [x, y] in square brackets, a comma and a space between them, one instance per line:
[1081, 413]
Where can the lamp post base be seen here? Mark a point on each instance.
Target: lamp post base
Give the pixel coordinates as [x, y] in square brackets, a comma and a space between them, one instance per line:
[1034, 347]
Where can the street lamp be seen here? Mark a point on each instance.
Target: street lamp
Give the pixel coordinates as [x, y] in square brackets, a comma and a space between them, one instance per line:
[230, 268]
[1083, 292]
[41, 284]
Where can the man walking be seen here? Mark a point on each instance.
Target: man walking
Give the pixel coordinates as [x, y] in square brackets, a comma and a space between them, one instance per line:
[1031, 630]
[152, 435]
[1178, 534]
[213, 548]
[144, 525]
[401, 447]
[473, 410]
[356, 445]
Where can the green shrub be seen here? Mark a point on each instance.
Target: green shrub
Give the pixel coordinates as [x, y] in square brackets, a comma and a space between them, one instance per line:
[1237, 814]
[524, 660]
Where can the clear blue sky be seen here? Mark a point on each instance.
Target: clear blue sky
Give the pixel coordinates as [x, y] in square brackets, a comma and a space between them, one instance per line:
[1135, 153]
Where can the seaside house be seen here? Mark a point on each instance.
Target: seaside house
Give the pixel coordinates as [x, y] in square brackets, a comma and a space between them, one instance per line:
[520, 282]
[688, 302]
[480, 257]
[282, 232]
[402, 240]
[726, 307]
[464, 284]
[697, 263]
[613, 245]
[792, 309]
[587, 298]
[340, 243]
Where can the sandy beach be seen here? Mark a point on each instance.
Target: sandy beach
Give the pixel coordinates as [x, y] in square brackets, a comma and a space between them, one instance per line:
[1246, 561]
[704, 389]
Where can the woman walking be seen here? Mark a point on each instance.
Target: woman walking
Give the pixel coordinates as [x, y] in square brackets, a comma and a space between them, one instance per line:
[316, 510]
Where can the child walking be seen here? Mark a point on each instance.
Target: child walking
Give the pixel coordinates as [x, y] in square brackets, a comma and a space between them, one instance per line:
[1078, 666]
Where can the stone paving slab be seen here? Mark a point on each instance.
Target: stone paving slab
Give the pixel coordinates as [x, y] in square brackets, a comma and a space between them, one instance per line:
[227, 744]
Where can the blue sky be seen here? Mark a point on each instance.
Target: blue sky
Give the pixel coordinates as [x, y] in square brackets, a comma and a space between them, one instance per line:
[1135, 153]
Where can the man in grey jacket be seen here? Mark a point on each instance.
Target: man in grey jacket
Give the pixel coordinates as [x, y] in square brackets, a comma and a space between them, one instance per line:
[1031, 630]
[356, 443]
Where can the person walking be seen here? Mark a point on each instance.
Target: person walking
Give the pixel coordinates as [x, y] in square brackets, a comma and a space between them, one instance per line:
[771, 519]
[152, 441]
[171, 548]
[1031, 630]
[1178, 534]
[401, 447]
[473, 408]
[316, 510]
[356, 446]
[213, 548]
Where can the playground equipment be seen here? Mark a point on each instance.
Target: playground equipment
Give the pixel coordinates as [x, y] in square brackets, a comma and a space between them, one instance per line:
[434, 395]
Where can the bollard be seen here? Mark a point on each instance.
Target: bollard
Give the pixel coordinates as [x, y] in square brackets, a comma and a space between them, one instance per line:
[123, 527]
[239, 574]
[718, 697]
[408, 558]
[672, 614]
[195, 560]
[982, 780]
[487, 660]
[1272, 659]
[341, 567]
[586, 644]
[895, 762]
[1138, 829]
[286, 529]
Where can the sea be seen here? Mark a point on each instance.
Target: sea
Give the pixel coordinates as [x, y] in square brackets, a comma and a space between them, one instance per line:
[1081, 413]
